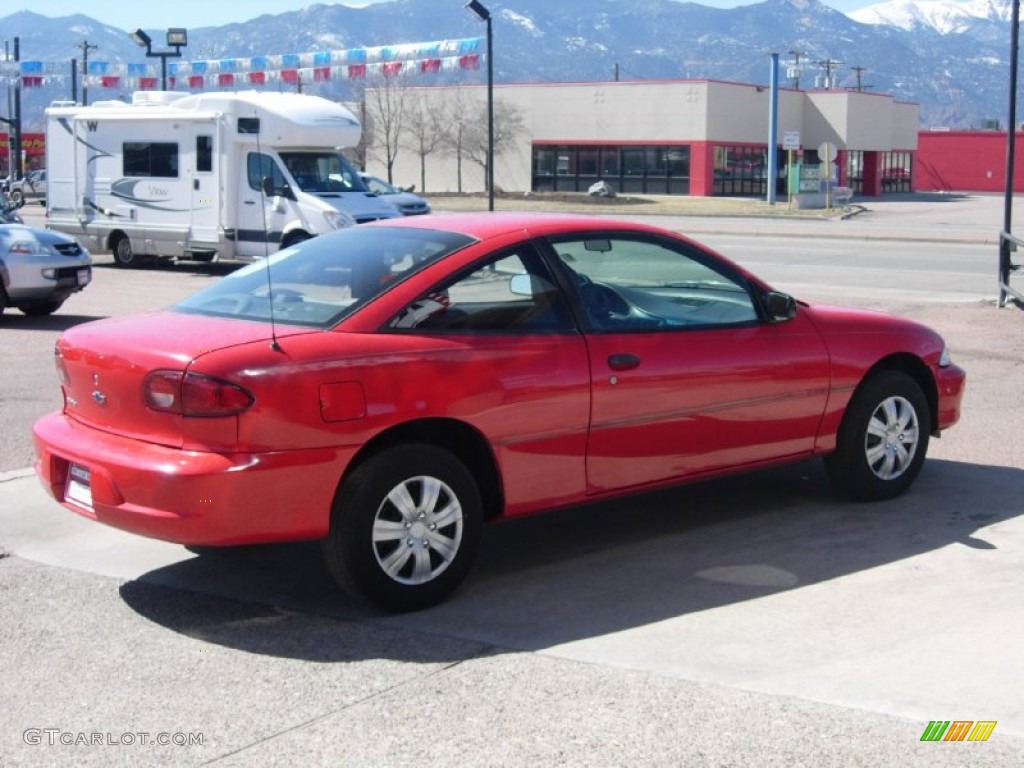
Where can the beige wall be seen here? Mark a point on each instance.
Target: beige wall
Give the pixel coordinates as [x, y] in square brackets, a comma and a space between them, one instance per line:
[657, 112]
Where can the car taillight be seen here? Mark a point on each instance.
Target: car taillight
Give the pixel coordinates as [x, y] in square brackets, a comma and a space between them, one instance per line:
[62, 369]
[193, 394]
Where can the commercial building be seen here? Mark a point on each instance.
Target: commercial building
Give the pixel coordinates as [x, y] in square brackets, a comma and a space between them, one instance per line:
[688, 137]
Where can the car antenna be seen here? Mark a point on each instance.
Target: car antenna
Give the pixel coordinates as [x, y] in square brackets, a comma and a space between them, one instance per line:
[266, 240]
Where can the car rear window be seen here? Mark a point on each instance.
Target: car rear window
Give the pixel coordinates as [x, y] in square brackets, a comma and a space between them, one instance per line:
[318, 282]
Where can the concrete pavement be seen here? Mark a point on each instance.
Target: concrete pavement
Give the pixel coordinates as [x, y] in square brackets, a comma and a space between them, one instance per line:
[757, 621]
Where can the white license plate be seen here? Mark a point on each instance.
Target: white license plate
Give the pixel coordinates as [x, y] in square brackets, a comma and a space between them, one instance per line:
[83, 277]
[79, 486]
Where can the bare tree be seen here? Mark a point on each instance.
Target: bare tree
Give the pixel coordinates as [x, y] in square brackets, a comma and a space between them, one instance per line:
[385, 109]
[457, 114]
[509, 124]
[423, 132]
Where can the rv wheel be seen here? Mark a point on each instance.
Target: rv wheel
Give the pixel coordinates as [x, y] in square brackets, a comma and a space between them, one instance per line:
[124, 256]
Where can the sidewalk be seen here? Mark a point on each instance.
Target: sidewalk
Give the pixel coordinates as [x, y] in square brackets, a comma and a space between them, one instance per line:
[927, 217]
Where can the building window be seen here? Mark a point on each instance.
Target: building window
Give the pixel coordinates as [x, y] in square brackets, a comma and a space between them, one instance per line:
[896, 172]
[653, 170]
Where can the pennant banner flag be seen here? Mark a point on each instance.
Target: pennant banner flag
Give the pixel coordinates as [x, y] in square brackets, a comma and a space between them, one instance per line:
[291, 68]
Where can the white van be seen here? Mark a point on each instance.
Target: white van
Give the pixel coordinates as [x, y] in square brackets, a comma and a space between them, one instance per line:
[204, 176]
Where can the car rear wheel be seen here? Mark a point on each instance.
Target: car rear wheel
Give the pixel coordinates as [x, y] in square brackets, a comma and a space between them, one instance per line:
[42, 307]
[883, 439]
[16, 196]
[404, 528]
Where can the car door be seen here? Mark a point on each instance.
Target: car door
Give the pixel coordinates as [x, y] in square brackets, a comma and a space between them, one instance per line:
[686, 376]
[501, 337]
[261, 216]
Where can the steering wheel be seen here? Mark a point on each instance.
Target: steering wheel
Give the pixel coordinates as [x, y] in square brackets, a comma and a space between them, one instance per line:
[228, 303]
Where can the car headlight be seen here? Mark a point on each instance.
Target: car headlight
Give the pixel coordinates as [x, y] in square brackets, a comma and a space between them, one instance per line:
[944, 359]
[50, 273]
[26, 247]
[338, 219]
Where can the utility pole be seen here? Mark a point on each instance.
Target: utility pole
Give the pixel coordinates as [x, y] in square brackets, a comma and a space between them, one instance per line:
[17, 166]
[859, 71]
[829, 65]
[794, 70]
[86, 46]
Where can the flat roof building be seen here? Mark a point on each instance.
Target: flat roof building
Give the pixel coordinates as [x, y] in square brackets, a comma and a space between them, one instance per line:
[680, 137]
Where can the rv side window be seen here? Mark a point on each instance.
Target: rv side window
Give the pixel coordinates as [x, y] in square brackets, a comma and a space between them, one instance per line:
[248, 125]
[149, 158]
[204, 153]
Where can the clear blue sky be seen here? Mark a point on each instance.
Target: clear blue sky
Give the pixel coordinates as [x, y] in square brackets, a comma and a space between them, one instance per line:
[212, 13]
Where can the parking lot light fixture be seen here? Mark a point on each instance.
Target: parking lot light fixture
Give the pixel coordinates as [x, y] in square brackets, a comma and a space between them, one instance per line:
[479, 10]
[177, 38]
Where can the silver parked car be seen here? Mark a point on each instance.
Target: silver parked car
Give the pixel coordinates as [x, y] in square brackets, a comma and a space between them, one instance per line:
[39, 269]
[32, 187]
[404, 200]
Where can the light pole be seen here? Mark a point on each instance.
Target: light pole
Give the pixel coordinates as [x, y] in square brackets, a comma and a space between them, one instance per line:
[481, 12]
[177, 38]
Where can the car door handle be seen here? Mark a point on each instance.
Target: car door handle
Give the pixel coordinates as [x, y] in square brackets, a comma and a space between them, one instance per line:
[623, 362]
[249, 202]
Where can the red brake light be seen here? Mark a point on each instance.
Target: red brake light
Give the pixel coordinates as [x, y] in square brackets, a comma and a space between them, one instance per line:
[193, 394]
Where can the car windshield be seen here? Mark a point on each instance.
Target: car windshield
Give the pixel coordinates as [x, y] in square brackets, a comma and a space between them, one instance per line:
[318, 282]
[318, 172]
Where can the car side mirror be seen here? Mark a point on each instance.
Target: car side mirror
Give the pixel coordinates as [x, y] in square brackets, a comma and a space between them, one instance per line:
[529, 285]
[779, 306]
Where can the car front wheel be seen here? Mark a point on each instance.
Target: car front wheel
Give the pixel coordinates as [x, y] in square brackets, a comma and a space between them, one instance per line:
[883, 438]
[37, 308]
[404, 528]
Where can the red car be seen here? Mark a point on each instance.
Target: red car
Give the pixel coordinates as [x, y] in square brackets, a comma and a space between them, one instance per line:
[388, 388]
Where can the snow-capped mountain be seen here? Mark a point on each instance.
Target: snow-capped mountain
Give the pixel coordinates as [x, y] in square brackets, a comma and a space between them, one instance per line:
[944, 16]
[955, 67]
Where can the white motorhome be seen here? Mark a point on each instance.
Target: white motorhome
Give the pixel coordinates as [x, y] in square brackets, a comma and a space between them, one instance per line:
[203, 176]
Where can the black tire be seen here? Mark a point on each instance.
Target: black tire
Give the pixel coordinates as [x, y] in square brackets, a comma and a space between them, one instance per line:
[3, 300]
[429, 545]
[38, 308]
[124, 256]
[883, 438]
[294, 239]
[16, 196]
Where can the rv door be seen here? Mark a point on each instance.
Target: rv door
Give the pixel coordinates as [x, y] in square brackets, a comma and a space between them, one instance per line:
[264, 206]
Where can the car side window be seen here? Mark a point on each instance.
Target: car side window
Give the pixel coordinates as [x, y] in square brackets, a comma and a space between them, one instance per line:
[510, 292]
[626, 284]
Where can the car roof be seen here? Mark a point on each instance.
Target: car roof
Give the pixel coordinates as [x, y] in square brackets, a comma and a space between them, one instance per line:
[485, 225]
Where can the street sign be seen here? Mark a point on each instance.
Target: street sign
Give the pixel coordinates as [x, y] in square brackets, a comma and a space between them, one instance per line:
[791, 140]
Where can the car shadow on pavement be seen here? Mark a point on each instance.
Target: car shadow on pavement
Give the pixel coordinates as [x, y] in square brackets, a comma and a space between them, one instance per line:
[45, 322]
[590, 571]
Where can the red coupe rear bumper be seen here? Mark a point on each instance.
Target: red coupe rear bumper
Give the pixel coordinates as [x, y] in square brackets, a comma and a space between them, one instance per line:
[188, 497]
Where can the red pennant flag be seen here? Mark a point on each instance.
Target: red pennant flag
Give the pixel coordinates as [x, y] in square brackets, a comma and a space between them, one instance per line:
[357, 70]
[110, 82]
[322, 73]
[290, 75]
[149, 83]
[430, 65]
[392, 68]
[258, 78]
[225, 79]
[196, 81]
[470, 62]
[31, 81]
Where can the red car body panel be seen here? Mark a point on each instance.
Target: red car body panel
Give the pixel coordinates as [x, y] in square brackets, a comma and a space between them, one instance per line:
[564, 420]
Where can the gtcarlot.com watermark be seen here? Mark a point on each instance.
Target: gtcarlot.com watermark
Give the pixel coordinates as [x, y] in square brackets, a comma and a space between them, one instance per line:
[51, 737]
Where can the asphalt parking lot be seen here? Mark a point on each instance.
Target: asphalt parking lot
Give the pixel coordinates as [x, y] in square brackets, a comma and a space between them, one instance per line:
[747, 622]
